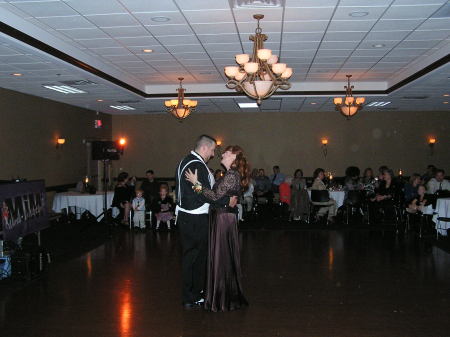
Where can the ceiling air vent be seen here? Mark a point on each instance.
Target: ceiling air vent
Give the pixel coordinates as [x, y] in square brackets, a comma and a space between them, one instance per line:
[78, 82]
[414, 97]
[257, 3]
[130, 101]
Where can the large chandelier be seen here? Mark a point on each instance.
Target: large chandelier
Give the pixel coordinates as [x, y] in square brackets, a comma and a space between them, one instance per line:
[260, 74]
[349, 106]
[180, 108]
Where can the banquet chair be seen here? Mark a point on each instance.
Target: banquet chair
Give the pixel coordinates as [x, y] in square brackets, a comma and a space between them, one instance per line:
[438, 225]
[353, 203]
[317, 196]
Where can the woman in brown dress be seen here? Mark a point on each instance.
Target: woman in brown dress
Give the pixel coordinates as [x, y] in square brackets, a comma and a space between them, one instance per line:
[224, 286]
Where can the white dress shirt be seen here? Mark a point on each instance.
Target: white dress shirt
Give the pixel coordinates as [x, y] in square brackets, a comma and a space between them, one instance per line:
[434, 185]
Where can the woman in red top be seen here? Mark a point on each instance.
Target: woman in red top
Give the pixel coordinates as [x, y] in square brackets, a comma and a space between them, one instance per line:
[285, 191]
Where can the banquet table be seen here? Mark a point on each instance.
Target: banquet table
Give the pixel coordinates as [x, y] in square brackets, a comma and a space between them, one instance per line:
[339, 196]
[90, 202]
[442, 210]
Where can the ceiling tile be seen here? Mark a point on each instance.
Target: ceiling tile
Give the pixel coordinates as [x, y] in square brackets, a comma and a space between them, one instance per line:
[344, 36]
[112, 20]
[178, 39]
[84, 33]
[149, 6]
[165, 30]
[132, 31]
[143, 41]
[310, 3]
[67, 22]
[175, 18]
[87, 7]
[45, 9]
[218, 38]
[418, 44]
[305, 26]
[214, 28]
[209, 16]
[410, 12]
[373, 13]
[296, 14]
[351, 25]
[393, 25]
[203, 4]
[299, 37]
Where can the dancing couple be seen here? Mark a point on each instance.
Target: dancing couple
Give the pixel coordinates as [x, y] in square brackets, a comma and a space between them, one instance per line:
[207, 222]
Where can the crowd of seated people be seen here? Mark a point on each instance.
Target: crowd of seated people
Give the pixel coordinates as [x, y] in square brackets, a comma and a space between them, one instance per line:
[128, 199]
[383, 196]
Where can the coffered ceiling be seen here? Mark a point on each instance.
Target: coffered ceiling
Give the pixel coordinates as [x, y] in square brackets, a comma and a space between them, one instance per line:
[396, 50]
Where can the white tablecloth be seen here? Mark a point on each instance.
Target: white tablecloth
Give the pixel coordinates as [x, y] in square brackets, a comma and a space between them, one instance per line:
[442, 210]
[90, 202]
[339, 196]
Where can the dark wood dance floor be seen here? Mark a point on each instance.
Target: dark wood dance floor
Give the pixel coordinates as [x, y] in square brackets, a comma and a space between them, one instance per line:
[352, 283]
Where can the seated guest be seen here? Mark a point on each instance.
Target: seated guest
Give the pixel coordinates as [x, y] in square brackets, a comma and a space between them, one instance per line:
[352, 182]
[277, 178]
[163, 207]
[123, 195]
[285, 191]
[318, 184]
[419, 202]
[150, 188]
[411, 187]
[430, 173]
[438, 183]
[299, 197]
[387, 194]
[263, 186]
[380, 176]
[368, 182]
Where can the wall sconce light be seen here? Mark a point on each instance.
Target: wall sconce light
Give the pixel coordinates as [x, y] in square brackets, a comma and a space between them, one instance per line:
[60, 142]
[431, 142]
[324, 146]
[122, 142]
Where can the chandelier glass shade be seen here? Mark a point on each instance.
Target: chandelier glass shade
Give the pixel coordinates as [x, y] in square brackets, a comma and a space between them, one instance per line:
[258, 75]
[349, 105]
[180, 108]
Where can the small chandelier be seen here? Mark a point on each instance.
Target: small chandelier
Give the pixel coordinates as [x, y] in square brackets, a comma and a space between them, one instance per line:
[349, 106]
[180, 108]
[260, 74]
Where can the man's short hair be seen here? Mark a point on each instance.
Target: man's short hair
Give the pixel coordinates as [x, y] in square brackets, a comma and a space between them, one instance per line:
[440, 171]
[149, 171]
[204, 140]
[276, 167]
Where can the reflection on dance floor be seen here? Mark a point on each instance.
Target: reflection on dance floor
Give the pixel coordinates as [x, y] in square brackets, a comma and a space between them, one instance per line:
[299, 283]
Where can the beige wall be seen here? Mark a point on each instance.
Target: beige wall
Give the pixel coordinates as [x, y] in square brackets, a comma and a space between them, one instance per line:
[292, 140]
[29, 128]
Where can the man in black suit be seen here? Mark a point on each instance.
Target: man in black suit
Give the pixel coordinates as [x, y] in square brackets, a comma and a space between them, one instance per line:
[192, 220]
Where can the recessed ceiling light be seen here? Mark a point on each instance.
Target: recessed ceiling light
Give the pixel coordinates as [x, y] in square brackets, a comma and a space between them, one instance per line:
[445, 102]
[378, 103]
[147, 50]
[248, 105]
[446, 95]
[313, 103]
[99, 100]
[379, 45]
[16, 74]
[160, 19]
[122, 107]
[65, 89]
[358, 14]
